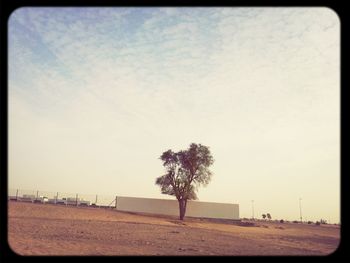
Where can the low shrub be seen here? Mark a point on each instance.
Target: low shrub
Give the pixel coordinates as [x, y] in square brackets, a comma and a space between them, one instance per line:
[318, 223]
[281, 221]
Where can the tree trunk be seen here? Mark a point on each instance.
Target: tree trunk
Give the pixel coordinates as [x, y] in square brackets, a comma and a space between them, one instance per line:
[182, 207]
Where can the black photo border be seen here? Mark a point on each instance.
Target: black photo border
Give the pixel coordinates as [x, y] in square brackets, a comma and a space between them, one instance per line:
[341, 254]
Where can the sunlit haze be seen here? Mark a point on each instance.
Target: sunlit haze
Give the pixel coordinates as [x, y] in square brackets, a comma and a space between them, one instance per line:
[96, 95]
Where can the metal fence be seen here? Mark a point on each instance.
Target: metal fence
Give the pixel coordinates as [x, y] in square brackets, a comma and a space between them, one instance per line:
[128, 204]
[61, 198]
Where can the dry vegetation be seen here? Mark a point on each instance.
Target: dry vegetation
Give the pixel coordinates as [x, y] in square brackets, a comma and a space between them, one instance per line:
[37, 229]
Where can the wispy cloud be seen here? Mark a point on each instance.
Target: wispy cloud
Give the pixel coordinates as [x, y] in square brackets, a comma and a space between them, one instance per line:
[170, 62]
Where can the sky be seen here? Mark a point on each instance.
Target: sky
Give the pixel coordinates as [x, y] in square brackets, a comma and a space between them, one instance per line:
[96, 95]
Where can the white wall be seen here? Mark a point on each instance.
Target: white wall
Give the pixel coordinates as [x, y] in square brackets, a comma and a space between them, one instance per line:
[171, 207]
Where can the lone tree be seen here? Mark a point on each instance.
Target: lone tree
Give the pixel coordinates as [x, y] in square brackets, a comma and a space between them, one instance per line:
[185, 172]
[263, 216]
[268, 216]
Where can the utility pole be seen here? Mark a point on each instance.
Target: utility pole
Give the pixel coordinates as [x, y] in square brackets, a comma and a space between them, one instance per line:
[253, 209]
[301, 217]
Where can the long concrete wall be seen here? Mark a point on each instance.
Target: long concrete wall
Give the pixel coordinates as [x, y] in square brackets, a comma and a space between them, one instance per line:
[171, 207]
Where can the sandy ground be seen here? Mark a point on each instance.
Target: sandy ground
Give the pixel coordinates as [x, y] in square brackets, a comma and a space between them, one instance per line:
[43, 229]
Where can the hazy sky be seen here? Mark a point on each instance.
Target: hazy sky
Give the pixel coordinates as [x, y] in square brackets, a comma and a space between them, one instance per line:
[97, 94]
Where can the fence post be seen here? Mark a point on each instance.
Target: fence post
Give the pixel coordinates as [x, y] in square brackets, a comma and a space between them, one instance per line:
[96, 201]
[37, 193]
[16, 195]
[56, 198]
[116, 202]
[76, 199]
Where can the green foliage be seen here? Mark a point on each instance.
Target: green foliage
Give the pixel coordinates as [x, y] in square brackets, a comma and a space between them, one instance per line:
[268, 216]
[185, 171]
[263, 216]
[323, 221]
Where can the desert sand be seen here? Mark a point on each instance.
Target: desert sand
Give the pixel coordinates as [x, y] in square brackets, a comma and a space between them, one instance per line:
[45, 229]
